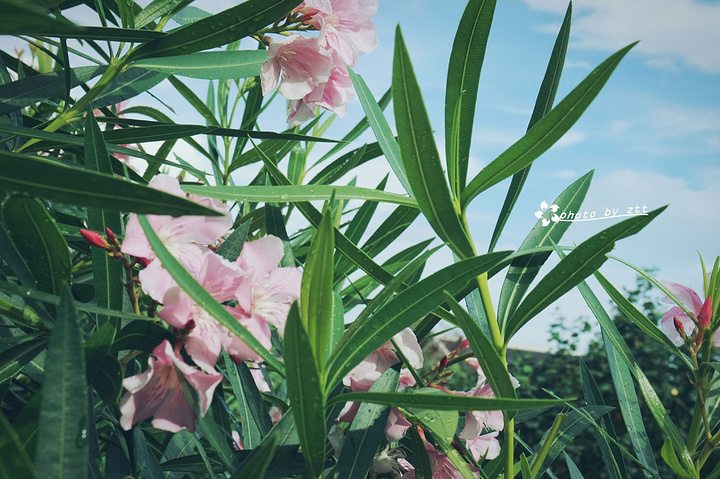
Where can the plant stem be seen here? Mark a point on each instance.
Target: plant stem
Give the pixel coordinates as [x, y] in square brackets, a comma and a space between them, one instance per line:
[549, 440]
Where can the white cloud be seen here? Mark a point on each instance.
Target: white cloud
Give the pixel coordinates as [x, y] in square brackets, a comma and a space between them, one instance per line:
[572, 137]
[671, 31]
[565, 174]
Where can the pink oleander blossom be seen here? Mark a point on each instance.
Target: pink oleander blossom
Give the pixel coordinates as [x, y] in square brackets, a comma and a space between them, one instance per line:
[182, 237]
[693, 303]
[440, 465]
[300, 61]
[207, 337]
[267, 290]
[332, 95]
[344, 25]
[157, 392]
[484, 446]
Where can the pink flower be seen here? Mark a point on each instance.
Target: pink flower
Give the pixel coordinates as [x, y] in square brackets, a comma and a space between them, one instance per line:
[484, 446]
[267, 291]
[440, 465]
[181, 236]
[207, 337]
[300, 61]
[693, 303]
[157, 392]
[332, 95]
[344, 25]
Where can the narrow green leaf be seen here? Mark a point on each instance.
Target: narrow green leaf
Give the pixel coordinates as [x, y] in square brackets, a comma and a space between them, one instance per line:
[107, 272]
[668, 454]
[442, 424]
[204, 299]
[490, 360]
[13, 359]
[573, 470]
[16, 463]
[419, 455]
[583, 261]
[612, 457]
[258, 462]
[223, 65]
[155, 10]
[140, 335]
[381, 129]
[34, 89]
[445, 402]
[217, 30]
[639, 319]
[127, 85]
[346, 163]
[463, 78]
[575, 423]
[543, 104]
[420, 156]
[366, 431]
[39, 242]
[146, 464]
[407, 307]
[193, 99]
[292, 194]
[108, 380]
[36, 176]
[316, 293]
[524, 269]
[231, 248]
[546, 132]
[305, 392]
[253, 415]
[62, 448]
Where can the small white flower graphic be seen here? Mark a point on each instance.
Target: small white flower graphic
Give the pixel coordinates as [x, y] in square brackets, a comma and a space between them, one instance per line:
[553, 217]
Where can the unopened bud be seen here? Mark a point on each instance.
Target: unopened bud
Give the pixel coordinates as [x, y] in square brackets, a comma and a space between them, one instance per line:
[142, 261]
[111, 236]
[443, 363]
[465, 344]
[679, 328]
[705, 315]
[94, 238]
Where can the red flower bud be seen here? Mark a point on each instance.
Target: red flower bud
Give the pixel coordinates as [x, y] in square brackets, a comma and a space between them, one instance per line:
[142, 261]
[465, 343]
[705, 315]
[111, 236]
[443, 363]
[94, 238]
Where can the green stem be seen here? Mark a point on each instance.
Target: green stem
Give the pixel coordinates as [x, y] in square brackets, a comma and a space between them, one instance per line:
[549, 440]
[509, 447]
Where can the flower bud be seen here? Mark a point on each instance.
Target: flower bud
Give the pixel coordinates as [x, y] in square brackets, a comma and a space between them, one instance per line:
[94, 239]
[111, 236]
[443, 363]
[679, 328]
[465, 343]
[705, 315]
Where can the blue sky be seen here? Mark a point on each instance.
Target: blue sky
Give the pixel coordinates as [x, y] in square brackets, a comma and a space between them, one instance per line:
[652, 135]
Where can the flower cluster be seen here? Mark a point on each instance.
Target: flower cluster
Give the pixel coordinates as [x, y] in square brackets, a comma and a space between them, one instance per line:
[678, 325]
[314, 70]
[260, 291]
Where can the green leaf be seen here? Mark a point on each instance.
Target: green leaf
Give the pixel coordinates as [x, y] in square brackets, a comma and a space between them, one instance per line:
[612, 456]
[39, 242]
[108, 381]
[140, 335]
[193, 99]
[223, 65]
[490, 360]
[463, 78]
[64, 184]
[155, 10]
[316, 293]
[575, 423]
[524, 269]
[574, 268]
[366, 431]
[34, 89]
[543, 104]
[668, 454]
[420, 156]
[293, 194]
[258, 462]
[16, 463]
[639, 319]
[13, 359]
[381, 129]
[127, 85]
[253, 416]
[146, 464]
[442, 424]
[204, 299]
[546, 132]
[231, 248]
[305, 391]
[107, 271]
[62, 449]
[407, 307]
[572, 468]
[346, 163]
[444, 402]
[217, 30]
